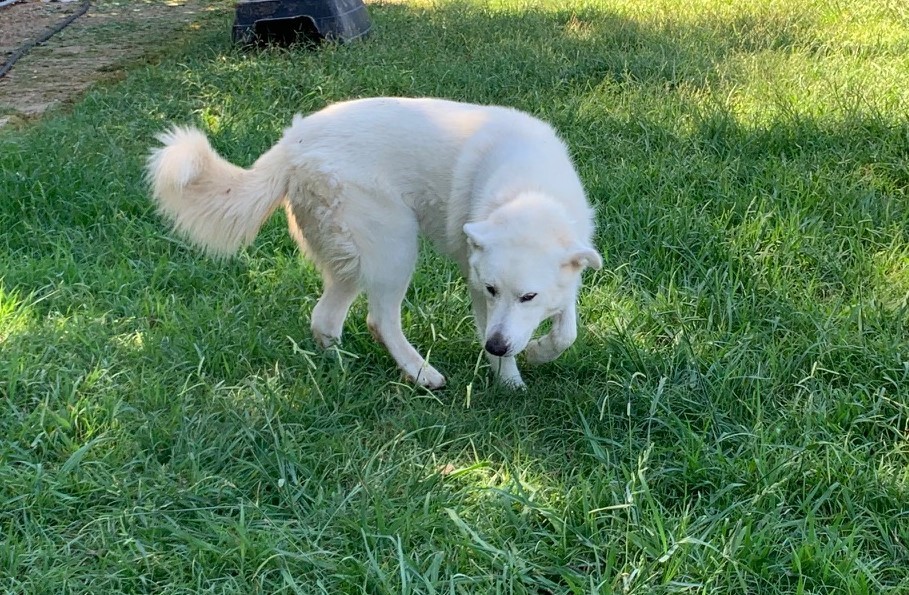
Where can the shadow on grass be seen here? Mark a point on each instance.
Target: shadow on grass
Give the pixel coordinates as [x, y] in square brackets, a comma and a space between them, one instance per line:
[535, 59]
[672, 201]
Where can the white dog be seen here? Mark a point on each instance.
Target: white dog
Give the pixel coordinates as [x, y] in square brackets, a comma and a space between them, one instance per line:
[492, 187]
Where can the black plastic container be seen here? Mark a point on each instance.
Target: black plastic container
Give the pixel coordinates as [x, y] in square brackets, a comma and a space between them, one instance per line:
[295, 21]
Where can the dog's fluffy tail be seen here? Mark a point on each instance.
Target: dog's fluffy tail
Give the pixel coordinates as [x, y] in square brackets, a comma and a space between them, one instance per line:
[217, 205]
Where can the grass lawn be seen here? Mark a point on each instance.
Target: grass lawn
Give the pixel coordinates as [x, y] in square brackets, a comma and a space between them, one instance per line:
[733, 419]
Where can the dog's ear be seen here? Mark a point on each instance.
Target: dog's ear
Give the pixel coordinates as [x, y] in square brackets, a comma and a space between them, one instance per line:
[584, 256]
[477, 234]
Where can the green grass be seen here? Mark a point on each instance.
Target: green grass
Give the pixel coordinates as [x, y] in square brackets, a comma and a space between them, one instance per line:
[733, 419]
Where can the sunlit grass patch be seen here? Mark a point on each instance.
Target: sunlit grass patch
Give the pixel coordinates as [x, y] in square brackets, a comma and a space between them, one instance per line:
[16, 315]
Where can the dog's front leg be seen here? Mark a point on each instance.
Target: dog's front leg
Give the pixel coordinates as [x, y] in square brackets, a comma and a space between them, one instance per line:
[505, 368]
[562, 335]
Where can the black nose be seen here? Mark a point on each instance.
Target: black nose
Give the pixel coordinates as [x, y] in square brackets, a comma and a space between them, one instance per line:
[496, 345]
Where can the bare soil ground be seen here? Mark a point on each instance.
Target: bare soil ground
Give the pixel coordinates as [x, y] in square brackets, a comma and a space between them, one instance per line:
[98, 45]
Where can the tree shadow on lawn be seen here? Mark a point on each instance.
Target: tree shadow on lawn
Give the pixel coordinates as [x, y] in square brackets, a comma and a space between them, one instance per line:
[586, 48]
[524, 59]
[726, 166]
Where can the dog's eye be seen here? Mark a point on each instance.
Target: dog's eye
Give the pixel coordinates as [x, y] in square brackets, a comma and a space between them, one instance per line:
[492, 290]
[527, 297]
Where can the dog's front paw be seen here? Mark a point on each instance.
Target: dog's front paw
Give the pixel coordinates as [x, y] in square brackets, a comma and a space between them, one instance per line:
[513, 382]
[538, 353]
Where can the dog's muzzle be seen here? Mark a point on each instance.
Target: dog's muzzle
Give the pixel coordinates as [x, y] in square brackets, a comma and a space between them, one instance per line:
[496, 345]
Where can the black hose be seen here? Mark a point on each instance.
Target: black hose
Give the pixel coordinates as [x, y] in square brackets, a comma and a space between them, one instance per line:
[50, 32]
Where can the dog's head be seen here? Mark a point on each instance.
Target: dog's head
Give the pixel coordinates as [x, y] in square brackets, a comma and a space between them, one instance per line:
[526, 260]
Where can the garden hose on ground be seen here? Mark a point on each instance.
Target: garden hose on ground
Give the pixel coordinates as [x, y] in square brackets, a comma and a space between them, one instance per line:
[50, 32]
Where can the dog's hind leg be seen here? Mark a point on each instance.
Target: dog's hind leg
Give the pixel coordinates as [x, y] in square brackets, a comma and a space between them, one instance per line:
[384, 321]
[386, 272]
[331, 310]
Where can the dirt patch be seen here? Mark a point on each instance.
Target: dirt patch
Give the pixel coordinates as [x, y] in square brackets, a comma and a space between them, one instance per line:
[98, 45]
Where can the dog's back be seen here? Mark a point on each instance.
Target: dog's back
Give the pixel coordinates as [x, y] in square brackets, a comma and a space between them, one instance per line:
[446, 161]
